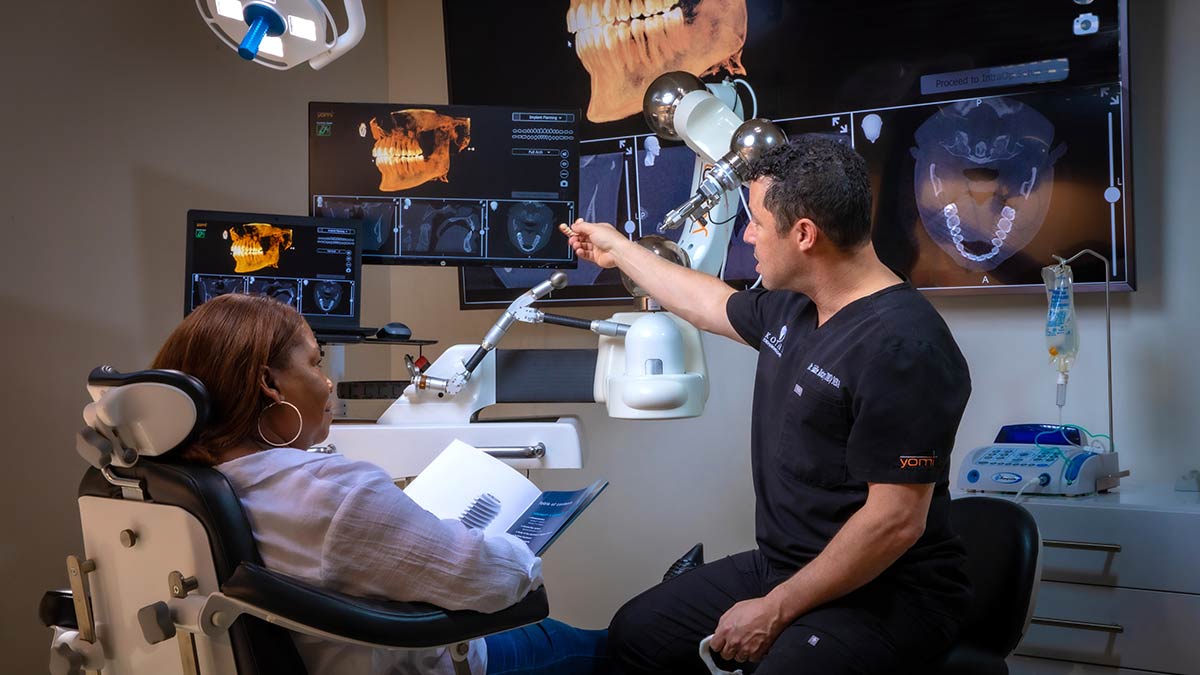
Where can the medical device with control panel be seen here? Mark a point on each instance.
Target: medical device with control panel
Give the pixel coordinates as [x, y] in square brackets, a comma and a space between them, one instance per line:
[1043, 459]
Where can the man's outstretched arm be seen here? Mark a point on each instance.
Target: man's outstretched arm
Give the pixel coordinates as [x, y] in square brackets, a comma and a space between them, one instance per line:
[693, 296]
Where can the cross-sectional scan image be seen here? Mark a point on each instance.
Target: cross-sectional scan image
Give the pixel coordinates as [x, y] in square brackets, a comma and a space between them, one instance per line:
[205, 287]
[286, 291]
[434, 226]
[413, 146]
[624, 46]
[599, 182]
[327, 297]
[983, 178]
[525, 228]
[255, 246]
[378, 217]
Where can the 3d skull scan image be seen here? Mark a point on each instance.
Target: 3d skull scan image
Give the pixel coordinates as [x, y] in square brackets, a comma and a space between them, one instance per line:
[284, 290]
[529, 226]
[327, 295]
[416, 147]
[983, 178]
[440, 227]
[625, 44]
[205, 288]
[255, 246]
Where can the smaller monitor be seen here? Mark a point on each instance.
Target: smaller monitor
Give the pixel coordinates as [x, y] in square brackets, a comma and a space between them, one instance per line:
[312, 264]
[448, 185]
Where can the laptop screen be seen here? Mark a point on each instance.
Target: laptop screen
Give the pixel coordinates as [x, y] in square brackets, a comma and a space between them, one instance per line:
[312, 264]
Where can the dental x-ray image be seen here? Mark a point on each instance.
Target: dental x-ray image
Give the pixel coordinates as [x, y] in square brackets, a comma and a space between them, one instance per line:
[418, 175]
[378, 217]
[414, 146]
[286, 291]
[625, 46]
[996, 186]
[205, 287]
[900, 82]
[524, 228]
[321, 296]
[441, 226]
[983, 178]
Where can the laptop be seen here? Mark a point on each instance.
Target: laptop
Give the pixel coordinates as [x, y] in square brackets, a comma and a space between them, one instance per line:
[312, 264]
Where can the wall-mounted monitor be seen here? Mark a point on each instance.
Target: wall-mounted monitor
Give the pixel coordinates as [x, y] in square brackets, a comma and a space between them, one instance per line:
[996, 134]
[448, 185]
[312, 264]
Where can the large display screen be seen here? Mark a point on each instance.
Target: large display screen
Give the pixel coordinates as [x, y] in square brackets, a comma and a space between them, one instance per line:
[312, 264]
[996, 134]
[448, 185]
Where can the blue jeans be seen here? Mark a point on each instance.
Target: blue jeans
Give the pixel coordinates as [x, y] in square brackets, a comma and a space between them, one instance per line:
[548, 647]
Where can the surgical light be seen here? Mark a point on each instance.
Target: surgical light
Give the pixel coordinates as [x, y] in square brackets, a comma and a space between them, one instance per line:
[280, 34]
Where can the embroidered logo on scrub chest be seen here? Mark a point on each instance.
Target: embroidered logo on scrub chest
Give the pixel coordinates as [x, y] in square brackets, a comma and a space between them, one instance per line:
[776, 343]
[826, 376]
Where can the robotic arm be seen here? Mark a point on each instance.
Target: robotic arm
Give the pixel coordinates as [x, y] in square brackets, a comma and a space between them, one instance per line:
[678, 106]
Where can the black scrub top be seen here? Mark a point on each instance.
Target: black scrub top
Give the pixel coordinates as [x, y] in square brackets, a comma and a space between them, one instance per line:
[875, 394]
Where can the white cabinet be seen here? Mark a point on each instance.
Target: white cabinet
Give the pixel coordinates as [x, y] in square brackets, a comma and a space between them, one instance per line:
[1120, 588]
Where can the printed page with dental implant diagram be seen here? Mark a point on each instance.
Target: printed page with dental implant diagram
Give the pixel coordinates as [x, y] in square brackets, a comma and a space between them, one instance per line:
[449, 185]
[467, 484]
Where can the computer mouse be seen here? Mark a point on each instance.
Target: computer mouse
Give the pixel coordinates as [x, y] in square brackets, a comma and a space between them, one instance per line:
[394, 331]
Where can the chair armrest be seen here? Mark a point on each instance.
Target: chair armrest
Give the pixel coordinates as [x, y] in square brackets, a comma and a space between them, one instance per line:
[58, 609]
[286, 600]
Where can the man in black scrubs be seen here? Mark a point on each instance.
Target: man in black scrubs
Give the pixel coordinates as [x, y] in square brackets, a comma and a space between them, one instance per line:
[859, 391]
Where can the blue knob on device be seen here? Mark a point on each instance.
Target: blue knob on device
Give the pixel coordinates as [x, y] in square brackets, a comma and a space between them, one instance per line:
[263, 21]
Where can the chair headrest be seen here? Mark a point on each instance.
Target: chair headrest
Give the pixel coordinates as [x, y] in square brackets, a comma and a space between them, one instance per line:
[147, 412]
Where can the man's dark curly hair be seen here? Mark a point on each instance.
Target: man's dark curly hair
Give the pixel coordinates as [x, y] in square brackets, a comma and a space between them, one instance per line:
[820, 178]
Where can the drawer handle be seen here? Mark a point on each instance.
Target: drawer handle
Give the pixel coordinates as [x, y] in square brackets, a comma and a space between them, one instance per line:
[1082, 545]
[1082, 625]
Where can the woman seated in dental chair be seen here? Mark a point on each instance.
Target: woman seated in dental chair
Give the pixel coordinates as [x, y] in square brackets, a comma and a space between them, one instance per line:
[343, 524]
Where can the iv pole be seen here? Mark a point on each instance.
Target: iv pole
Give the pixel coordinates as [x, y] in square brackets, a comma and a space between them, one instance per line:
[1107, 333]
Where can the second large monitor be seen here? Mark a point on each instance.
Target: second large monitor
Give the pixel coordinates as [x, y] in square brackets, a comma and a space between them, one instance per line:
[448, 185]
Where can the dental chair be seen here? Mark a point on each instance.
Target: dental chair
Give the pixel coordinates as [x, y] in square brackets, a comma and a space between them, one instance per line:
[170, 557]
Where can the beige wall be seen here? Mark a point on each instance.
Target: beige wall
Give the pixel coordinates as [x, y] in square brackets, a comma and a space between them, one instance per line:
[107, 142]
[107, 145]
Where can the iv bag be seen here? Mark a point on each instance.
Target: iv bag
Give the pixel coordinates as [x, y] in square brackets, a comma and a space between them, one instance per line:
[1062, 339]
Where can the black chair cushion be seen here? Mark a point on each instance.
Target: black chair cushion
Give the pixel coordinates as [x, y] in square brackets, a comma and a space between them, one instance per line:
[58, 609]
[1002, 542]
[968, 659]
[383, 622]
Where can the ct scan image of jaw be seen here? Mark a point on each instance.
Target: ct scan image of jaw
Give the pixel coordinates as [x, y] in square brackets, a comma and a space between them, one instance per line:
[439, 227]
[625, 44]
[378, 217]
[326, 294]
[529, 226]
[255, 246]
[206, 288]
[416, 147]
[285, 291]
[983, 178]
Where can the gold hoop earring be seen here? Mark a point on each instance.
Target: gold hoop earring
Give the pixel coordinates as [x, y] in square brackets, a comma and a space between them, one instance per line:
[298, 431]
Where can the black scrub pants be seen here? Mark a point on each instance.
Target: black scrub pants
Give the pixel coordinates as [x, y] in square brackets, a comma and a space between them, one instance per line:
[876, 629]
